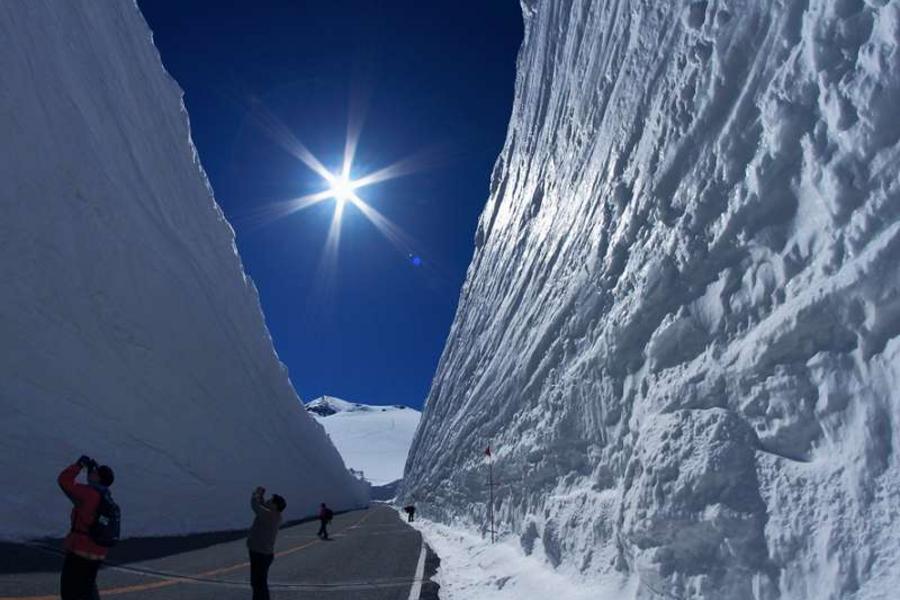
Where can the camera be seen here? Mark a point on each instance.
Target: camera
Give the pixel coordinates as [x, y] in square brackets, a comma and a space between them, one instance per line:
[88, 463]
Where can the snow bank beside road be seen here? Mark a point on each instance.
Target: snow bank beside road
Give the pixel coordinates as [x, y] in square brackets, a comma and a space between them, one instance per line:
[474, 569]
[128, 328]
[680, 330]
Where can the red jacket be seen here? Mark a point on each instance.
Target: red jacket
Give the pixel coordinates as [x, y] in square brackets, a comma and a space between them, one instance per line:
[86, 500]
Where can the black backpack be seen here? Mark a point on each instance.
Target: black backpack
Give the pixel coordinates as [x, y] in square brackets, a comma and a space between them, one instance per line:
[105, 529]
[329, 515]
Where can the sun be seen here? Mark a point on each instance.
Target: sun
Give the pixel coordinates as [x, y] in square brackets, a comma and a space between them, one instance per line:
[342, 188]
[339, 186]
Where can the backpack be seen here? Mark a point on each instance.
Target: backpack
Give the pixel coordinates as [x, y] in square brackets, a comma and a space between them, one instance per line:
[329, 514]
[104, 531]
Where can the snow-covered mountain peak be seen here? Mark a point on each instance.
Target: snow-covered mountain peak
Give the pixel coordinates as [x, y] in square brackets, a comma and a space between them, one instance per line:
[372, 439]
[329, 405]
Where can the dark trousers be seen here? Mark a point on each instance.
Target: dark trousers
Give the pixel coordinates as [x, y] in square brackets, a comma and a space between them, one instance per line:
[259, 574]
[323, 529]
[78, 580]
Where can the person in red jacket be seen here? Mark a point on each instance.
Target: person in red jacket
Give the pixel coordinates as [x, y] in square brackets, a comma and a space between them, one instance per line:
[78, 580]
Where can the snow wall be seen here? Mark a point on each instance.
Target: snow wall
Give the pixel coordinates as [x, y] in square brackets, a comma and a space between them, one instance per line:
[679, 330]
[128, 329]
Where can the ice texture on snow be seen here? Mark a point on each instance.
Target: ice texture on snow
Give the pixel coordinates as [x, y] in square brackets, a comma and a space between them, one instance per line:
[372, 439]
[679, 330]
[128, 329]
[472, 568]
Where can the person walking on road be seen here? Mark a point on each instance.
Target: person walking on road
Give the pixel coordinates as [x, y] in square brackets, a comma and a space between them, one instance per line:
[325, 516]
[94, 529]
[261, 539]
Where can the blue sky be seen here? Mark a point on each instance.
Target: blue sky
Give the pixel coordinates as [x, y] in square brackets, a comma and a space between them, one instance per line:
[436, 79]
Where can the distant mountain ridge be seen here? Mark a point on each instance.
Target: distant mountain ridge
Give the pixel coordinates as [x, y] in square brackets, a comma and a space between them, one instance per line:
[328, 405]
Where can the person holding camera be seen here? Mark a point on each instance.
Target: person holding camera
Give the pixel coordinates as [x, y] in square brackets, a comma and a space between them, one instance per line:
[261, 539]
[410, 511]
[94, 527]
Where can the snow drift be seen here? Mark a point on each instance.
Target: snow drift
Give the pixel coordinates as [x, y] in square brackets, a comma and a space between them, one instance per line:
[679, 330]
[128, 329]
[373, 440]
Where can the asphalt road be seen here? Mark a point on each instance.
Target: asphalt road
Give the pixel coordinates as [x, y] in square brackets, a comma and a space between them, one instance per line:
[373, 555]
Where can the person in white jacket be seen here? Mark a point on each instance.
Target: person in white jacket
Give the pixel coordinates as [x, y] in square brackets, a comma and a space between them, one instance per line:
[261, 539]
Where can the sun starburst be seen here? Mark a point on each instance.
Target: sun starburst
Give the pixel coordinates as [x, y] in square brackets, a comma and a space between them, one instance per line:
[341, 186]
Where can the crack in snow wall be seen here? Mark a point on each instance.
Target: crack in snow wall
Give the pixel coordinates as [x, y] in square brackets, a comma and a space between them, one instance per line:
[679, 330]
[128, 329]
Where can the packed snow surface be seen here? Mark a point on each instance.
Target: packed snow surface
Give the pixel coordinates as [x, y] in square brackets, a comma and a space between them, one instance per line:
[372, 439]
[128, 329]
[679, 330]
[472, 568]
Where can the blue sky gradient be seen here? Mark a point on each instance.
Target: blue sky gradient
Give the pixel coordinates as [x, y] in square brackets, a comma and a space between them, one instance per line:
[437, 80]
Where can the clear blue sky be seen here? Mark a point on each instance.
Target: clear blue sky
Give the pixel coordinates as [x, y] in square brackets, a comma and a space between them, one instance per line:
[438, 77]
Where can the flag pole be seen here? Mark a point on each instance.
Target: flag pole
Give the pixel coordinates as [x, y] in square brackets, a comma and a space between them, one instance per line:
[491, 470]
[491, 486]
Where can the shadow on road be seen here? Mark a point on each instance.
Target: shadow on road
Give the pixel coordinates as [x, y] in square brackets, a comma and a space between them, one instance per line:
[19, 558]
[47, 555]
[430, 588]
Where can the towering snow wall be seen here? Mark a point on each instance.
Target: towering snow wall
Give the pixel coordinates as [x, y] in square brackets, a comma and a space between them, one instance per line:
[679, 331]
[128, 329]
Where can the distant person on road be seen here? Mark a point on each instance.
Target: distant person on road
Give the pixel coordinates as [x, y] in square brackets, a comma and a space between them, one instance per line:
[325, 517]
[261, 539]
[410, 511]
[94, 528]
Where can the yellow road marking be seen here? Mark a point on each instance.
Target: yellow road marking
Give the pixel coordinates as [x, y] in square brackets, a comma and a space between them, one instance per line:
[176, 580]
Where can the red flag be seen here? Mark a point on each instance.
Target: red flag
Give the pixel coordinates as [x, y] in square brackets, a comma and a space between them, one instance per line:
[487, 451]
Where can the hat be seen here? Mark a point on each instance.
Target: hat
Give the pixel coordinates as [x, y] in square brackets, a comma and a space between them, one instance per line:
[105, 475]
